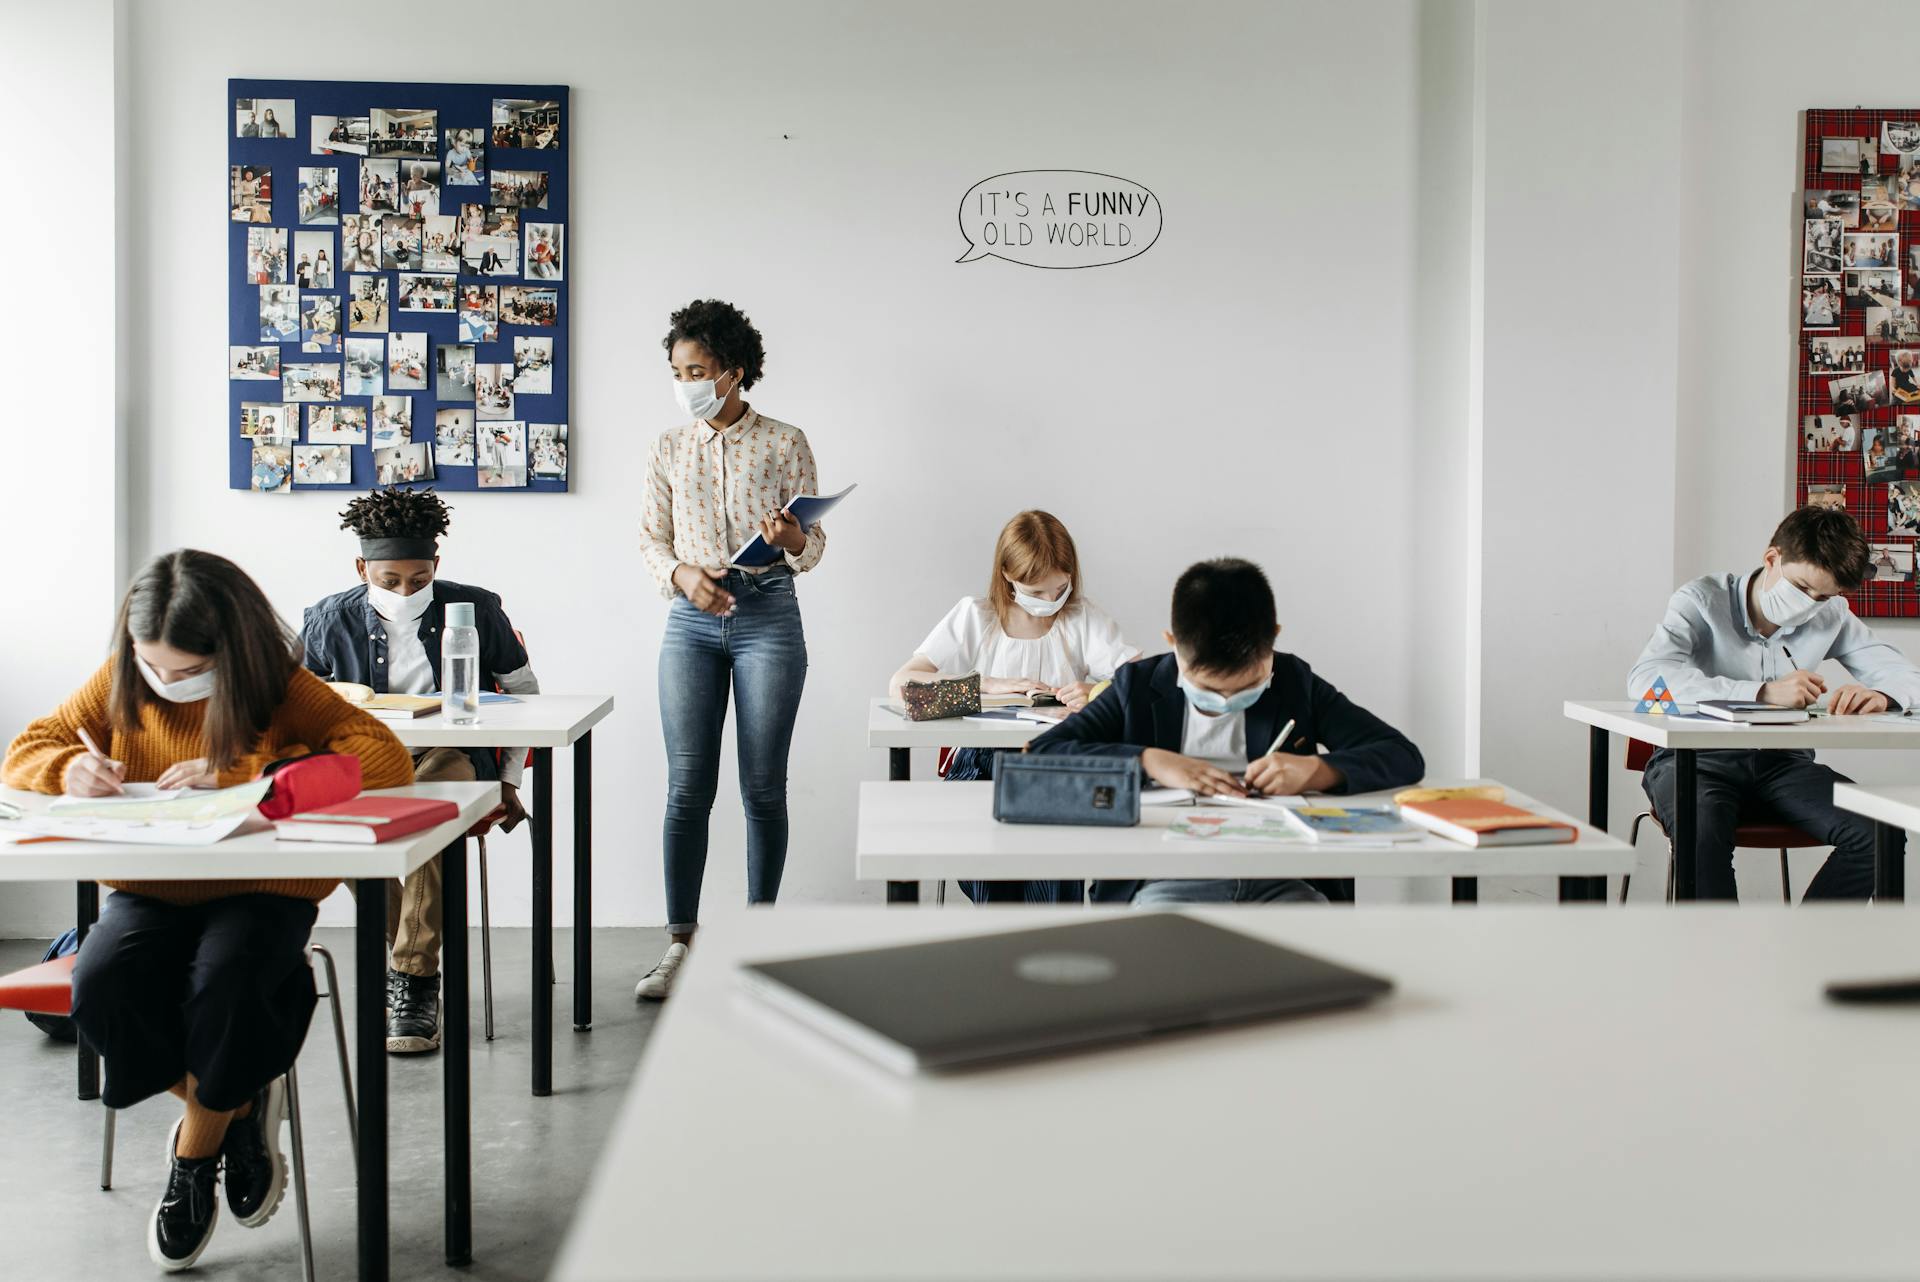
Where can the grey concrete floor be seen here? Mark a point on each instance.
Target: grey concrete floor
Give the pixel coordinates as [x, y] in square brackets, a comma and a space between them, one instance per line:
[531, 1157]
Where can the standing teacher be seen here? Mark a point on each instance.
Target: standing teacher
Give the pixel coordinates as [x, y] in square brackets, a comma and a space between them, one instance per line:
[711, 486]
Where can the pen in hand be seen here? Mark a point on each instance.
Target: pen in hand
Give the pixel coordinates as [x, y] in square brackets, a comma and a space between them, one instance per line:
[93, 749]
[1280, 739]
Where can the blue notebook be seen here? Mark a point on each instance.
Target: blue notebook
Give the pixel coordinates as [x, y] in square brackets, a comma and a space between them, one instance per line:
[806, 509]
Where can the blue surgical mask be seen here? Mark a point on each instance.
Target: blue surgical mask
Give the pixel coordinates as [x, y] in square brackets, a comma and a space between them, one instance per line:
[1220, 705]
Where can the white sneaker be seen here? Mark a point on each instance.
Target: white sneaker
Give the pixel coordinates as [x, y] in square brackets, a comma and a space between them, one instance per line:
[658, 982]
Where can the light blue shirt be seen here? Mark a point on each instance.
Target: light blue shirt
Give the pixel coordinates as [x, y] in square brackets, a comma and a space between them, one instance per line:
[1707, 648]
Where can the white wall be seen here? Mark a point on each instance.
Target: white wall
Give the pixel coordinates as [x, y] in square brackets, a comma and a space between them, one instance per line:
[1244, 387]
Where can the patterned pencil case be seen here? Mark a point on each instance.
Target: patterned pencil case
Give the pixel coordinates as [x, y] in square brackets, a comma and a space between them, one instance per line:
[1097, 791]
[936, 700]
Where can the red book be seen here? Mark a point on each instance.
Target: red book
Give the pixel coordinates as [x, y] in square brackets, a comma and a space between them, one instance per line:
[366, 820]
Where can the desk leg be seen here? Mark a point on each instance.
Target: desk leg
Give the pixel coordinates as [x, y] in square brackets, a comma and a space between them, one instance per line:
[370, 1035]
[455, 1055]
[1592, 890]
[1685, 799]
[543, 921]
[899, 770]
[1889, 869]
[583, 883]
[86, 911]
[1466, 890]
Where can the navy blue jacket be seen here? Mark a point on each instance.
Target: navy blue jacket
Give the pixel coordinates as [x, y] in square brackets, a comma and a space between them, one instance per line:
[346, 641]
[1145, 708]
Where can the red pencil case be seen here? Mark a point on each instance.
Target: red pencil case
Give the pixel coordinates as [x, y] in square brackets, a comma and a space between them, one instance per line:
[309, 783]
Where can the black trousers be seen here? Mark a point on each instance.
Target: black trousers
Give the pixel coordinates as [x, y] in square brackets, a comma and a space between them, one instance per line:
[1754, 786]
[221, 990]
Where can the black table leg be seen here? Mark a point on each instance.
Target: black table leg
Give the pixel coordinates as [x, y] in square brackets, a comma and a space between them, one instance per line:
[583, 883]
[543, 921]
[1889, 868]
[1466, 890]
[86, 911]
[456, 1054]
[370, 1036]
[1685, 798]
[899, 770]
[1592, 890]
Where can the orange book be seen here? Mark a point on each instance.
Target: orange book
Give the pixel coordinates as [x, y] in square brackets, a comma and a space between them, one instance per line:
[1487, 823]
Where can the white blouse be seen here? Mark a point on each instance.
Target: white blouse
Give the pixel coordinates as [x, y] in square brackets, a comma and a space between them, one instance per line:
[1084, 644]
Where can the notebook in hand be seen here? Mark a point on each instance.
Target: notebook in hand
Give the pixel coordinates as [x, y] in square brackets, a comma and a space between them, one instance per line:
[1749, 712]
[366, 820]
[1486, 823]
[806, 509]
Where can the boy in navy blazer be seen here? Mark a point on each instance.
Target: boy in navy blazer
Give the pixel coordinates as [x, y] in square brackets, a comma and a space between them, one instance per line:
[1204, 716]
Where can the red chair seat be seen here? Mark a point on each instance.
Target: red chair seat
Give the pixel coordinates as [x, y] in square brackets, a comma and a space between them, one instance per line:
[1774, 837]
[46, 989]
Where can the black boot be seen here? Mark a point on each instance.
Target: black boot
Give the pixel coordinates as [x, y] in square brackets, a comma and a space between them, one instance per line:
[182, 1223]
[255, 1168]
[413, 1013]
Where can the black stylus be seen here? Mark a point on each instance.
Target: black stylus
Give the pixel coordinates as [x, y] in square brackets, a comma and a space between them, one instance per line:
[1875, 990]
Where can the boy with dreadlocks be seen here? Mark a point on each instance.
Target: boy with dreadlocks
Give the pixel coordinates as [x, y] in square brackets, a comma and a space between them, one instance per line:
[385, 634]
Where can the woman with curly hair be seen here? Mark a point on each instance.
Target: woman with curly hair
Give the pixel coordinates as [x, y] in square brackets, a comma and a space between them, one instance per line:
[711, 486]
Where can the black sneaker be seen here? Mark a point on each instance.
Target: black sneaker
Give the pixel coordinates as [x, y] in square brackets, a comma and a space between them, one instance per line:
[413, 1013]
[255, 1168]
[182, 1223]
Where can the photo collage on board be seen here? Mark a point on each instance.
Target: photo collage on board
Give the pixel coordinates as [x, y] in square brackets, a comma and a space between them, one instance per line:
[1858, 361]
[399, 314]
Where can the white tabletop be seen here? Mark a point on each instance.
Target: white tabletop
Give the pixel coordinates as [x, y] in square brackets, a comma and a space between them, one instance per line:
[1618, 716]
[1549, 1096]
[255, 854]
[1895, 804]
[537, 721]
[915, 831]
[889, 729]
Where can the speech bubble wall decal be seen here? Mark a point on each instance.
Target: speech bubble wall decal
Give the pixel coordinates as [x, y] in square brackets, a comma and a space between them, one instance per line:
[1058, 218]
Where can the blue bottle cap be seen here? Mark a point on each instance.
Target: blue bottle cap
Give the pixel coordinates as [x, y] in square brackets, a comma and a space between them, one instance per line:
[460, 614]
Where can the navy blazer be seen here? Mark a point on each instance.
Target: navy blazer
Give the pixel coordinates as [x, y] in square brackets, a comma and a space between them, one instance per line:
[1146, 708]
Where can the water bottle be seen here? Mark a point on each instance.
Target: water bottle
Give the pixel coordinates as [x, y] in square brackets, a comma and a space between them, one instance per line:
[460, 666]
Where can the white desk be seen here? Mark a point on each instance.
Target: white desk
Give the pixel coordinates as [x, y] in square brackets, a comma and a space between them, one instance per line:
[939, 830]
[1547, 1096]
[541, 722]
[87, 862]
[1616, 716]
[1894, 809]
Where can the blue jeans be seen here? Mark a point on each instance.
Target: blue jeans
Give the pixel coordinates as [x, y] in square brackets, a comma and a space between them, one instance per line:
[1158, 894]
[761, 651]
[968, 765]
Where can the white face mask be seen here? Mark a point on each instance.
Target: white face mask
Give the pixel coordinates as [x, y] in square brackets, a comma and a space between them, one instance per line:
[701, 398]
[1785, 605]
[187, 690]
[1038, 606]
[395, 608]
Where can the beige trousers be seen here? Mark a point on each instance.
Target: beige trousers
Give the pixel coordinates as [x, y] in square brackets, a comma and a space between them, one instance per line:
[414, 906]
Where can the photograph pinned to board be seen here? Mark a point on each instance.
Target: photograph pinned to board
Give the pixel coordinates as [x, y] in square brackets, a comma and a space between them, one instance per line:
[1878, 457]
[272, 468]
[453, 438]
[1849, 156]
[263, 117]
[420, 188]
[1828, 433]
[379, 186]
[1870, 249]
[404, 131]
[365, 359]
[1833, 497]
[440, 243]
[336, 425]
[340, 135]
[310, 381]
[1880, 203]
[359, 243]
[523, 188]
[322, 465]
[407, 361]
[493, 392]
[1859, 393]
[400, 242]
[528, 124]
[529, 305]
[279, 313]
[532, 365]
[1843, 205]
[547, 444]
[479, 313]
[402, 464]
[319, 195]
[367, 312]
[490, 255]
[466, 157]
[266, 255]
[545, 251]
[319, 323]
[269, 421]
[503, 444]
[1893, 324]
[453, 372]
[392, 420]
[1907, 187]
[261, 363]
[1836, 354]
[1890, 562]
[1902, 137]
[1903, 377]
[1903, 508]
[1873, 287]
[250, 193]
[424, 292]
[1819, 302]
[313, 259]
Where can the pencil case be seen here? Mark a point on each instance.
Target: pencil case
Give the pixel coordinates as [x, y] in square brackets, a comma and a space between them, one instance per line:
[1093, 791]
[936, 700]
[310, 782]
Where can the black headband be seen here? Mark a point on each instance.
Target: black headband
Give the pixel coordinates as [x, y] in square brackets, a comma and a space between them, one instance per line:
[398, 549]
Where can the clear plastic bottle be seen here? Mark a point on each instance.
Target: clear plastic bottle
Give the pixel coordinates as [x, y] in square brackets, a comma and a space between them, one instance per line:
[460, 666]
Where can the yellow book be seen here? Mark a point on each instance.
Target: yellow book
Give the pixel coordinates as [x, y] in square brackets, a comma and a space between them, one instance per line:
[1469, 792]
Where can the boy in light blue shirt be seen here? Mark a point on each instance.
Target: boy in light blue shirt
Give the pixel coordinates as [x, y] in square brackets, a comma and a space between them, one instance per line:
[1760, 636]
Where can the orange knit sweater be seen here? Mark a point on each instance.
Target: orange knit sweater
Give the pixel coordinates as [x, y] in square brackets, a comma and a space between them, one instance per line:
[311, 718]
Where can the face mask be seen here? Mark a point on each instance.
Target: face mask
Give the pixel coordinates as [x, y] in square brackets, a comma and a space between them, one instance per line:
[188, 690]
[1219, 705]
[701, 399]
[395, 608]
[1785, 605]
[1040, 607]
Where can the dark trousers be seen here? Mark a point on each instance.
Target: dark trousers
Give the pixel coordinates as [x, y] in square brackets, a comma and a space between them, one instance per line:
[969, 764]
[221, 990]
[1753, 786]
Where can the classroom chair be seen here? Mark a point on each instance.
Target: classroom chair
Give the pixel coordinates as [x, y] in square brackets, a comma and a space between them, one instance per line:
[47, 989]
[1746, 836]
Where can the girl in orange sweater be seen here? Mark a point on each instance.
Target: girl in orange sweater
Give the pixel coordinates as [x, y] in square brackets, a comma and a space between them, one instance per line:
[200, 988]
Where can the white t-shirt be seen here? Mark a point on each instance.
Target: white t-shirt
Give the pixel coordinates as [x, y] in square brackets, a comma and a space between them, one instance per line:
[1219, 741]
[409, 671]
[1084, 644]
